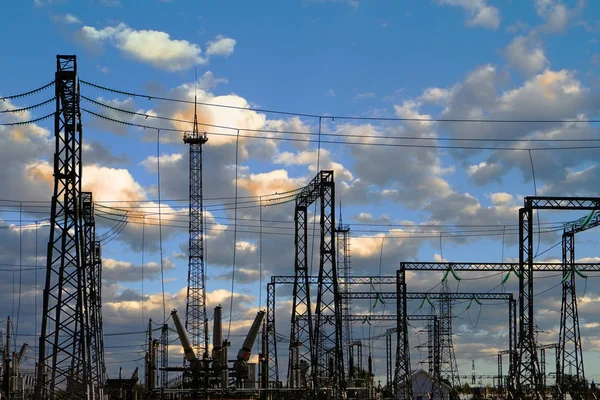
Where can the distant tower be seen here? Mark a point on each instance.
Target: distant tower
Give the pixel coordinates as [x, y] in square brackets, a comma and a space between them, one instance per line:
[449, 369]
[344, 273]
[196, 321]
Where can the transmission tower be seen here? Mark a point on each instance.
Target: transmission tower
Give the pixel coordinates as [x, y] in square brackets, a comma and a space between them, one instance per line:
[64, 367]
[344, 271]
[449, 369]
[196, 322]
[572, 378]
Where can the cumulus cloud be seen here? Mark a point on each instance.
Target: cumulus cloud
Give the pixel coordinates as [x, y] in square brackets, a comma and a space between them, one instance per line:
[220, 46]
[156, 48]
[526, 54]
[479, 13]
[556, 14]
[122, 271]
[67, 19]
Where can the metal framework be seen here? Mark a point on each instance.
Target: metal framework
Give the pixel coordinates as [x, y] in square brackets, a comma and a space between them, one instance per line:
[449, 368]
[316, 344]
[272, 359]
[195, 311]
[64, 366]
[528, 377]
[345, 271]
[93, 275]
[571, 377]
[271, 351]
[403, 386]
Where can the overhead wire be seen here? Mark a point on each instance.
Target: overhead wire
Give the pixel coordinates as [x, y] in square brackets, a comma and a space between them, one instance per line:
[310, 115]
[162, 270]
[237, 142]
[23, 109]
[28, 93]
[29, 122]
[398, 145]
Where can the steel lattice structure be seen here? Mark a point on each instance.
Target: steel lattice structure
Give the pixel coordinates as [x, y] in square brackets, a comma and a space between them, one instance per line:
[345, 271]
[324, 340]
[528, 377]
[93, 274]
[272, 358]
[195, 311]
[572, 376]
[402, 380]
[271, 351]
[63, 349]
[449, 368]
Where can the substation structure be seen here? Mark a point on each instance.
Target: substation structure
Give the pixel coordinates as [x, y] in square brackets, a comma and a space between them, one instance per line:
[71, 348]
[571, 348]
[313, 342]
[271, 358]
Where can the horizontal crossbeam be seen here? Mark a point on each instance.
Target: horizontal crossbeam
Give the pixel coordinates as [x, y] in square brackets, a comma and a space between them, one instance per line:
[496, 267]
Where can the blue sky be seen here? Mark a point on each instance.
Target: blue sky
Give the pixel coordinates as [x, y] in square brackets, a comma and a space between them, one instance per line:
[455, 59]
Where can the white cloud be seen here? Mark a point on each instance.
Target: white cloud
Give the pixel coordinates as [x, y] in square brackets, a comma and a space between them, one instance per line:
[67, 19]
[435, 95]
[526, 54]
[330, 93]
[556, 15]
[501, 199]
[220, 46]
[366, 95]
[480, 14]
[153, 47]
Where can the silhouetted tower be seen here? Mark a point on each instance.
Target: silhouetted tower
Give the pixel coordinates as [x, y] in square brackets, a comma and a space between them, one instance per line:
[64, 369]
[344, 273]
[196, 322]
[449, 369]
[572, 377]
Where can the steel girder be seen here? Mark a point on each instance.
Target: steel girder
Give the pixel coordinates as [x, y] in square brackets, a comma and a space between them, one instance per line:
[492, 267]
[63, 353]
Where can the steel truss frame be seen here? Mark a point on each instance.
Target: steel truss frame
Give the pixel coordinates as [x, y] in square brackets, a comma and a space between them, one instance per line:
[529, 384]
[93, 275]
[402, 378]
[571, 378]
[63, 346]
[196, 322]
[271, 352]
[315, 345]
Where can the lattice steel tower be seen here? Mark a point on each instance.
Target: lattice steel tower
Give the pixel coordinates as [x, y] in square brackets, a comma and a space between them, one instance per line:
[344, 272]
[448, 367]
[195, 312]
[64, 369]
[572, 377]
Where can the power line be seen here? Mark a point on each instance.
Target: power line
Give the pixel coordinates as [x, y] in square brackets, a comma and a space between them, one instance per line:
[399, 145]
[15, 96]
[31, 121]
[344, 117]
[18, 110]
[319, 133]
